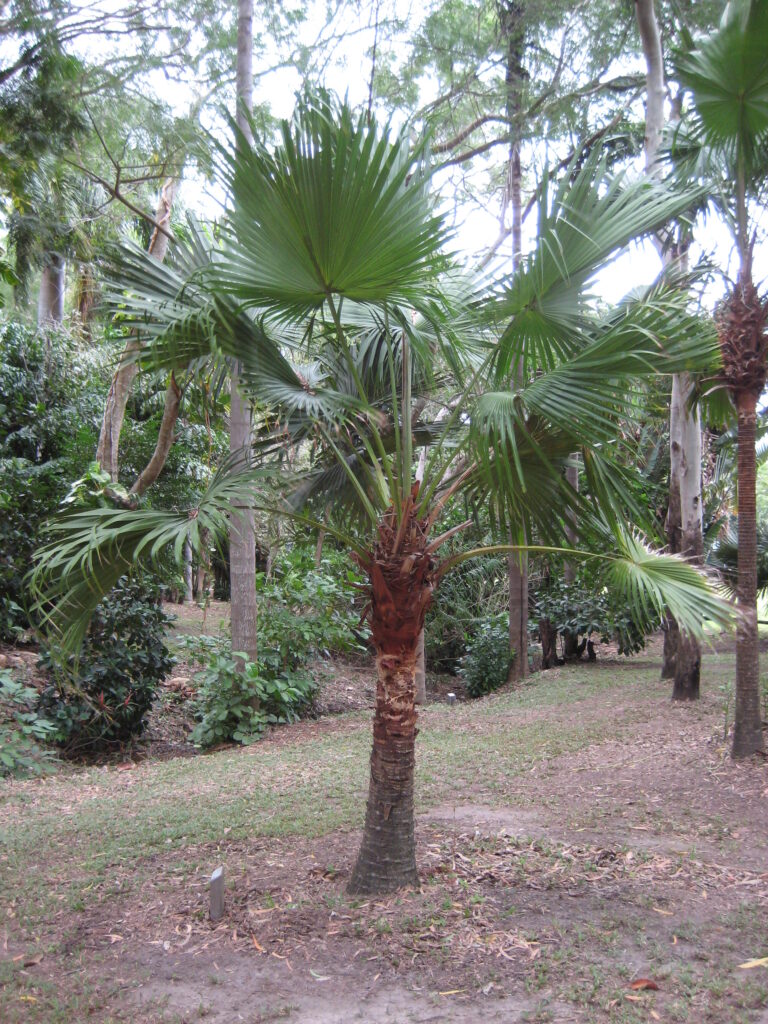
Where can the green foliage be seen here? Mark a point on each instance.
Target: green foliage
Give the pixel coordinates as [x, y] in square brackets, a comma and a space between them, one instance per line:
[22, 730]
[237, 699]
[474, 592]
[101, 699]
[305, 610]
[49, 411]
[588, 608]
[485, 666]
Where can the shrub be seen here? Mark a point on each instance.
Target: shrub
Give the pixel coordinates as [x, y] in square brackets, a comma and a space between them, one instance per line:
[305, 611]
[587, 608]
[22, 730]
[485, 666]
[235, 701]
[466, 600]
[50, 405]
[102, 699]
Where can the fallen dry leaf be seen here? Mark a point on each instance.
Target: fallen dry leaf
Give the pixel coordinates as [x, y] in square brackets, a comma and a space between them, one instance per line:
[257, 944]
[453, 992]
[655, 1015]
[32, 960]
[666, 913]
[633, 999]
[761, 962]
[644, 983]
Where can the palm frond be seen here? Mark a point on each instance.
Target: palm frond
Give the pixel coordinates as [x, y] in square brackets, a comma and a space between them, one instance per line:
[543, 307]
[651, 583]
[727, 72]
[340, 207]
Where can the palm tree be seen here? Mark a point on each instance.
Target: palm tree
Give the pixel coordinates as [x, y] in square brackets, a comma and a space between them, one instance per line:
[332, 250]
[727, 75]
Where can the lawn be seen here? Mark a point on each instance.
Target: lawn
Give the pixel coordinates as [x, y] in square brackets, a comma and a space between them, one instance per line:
[576, 836]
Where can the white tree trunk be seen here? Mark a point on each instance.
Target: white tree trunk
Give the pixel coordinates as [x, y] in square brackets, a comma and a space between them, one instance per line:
[189, 595]
[420, 678]
[681, 653]
[50, 300]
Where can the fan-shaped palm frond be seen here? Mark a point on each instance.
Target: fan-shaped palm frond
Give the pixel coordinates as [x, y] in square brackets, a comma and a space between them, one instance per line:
[543, 308]
[339, 208]
[728, 74]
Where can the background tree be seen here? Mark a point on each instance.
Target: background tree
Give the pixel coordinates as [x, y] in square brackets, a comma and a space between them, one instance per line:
[727, 76]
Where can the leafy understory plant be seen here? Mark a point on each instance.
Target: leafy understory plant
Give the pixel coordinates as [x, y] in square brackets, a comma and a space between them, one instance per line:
[485, 666]
[23, 733]
[236, 703]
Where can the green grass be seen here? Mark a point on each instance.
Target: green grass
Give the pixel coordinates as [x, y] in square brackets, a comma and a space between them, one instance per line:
[102, 818]
[64, 839]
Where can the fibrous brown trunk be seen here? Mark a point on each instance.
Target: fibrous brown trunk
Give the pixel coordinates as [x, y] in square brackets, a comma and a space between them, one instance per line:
[747, 732]
[50, 301]
[108, 448]
[400, 574]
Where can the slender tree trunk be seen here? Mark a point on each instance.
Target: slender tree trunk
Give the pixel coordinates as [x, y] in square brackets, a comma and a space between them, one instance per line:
[420, 680]
[189, 595]
[747, 732]
[242, 537]
[86, 297]
[154, 467]
[673, 526]
[685, 457]
[399, 600]
[510, 13]
[50, 301]
[571, 640]
[108, 449]
[682, 654]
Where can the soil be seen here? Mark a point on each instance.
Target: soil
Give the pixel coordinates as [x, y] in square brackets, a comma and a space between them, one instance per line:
[628, 883]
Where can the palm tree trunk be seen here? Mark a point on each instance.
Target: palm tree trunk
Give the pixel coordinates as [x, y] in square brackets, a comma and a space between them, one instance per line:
[748, 732]
[400, 574]
[387, 858]
[510, 14]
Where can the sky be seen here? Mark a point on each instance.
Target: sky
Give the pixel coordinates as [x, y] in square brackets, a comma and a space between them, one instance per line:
[476, 226]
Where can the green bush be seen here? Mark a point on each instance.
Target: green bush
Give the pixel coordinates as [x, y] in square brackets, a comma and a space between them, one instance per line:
[235, 701]
[485, 666]
[50, 407]
[467, 598]
[101, 699]
[305, 611]
[22, 730]
[588, 608]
